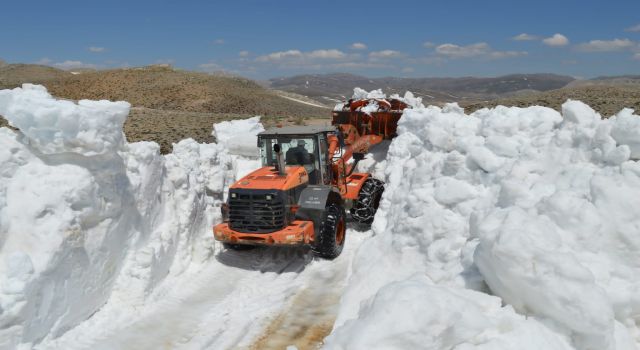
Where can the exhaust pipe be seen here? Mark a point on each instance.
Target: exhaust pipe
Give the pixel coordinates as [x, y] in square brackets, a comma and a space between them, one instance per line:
[279, 160]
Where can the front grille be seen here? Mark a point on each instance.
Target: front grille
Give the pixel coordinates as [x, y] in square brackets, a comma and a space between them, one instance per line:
[252, 212]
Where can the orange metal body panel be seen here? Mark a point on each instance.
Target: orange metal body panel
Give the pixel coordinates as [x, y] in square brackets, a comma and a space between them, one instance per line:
[298, 232]
[382, 122]
[354, 183]
[267, 178]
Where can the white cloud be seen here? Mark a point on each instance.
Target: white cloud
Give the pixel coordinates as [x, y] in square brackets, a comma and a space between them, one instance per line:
[607, 45]
[333, 59]
[635, 28]
[210, 67]
[385, 54]
[301, 57]
[428, 44]
[474, 50]
[218, 41]
[556, 40]
[525, 37]
[407, 70]
[280, 56]
[243, 53]
[69, 64]
[96, 49]
[331, 54]
[165, 61]
[44, 61]
[356, 65]
[457, 51]
[506, 54]
[326, 59]
[430, 60]
[66, 65]
[637, 56]
[358, 46]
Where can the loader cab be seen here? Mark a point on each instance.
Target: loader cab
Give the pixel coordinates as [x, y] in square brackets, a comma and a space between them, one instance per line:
[300, 146]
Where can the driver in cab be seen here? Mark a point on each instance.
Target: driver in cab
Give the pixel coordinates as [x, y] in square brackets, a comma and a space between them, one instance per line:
[298, 155]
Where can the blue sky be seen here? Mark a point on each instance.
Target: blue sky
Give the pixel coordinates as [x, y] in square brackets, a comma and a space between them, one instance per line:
[265, 39]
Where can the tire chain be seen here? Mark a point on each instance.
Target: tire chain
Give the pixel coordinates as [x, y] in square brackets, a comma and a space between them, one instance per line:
[331, 219]
[365, 207]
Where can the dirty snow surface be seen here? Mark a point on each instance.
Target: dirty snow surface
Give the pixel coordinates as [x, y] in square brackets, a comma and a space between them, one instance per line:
[509, 228]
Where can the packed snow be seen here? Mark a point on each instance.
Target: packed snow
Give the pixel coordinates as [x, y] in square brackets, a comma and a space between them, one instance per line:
[85, 216]
[507, 228]
[537, 208]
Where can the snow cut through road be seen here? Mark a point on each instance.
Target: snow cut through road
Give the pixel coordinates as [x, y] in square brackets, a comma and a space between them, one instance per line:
[267, 298]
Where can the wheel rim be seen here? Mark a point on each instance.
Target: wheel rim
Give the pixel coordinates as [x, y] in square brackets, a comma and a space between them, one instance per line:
[340, 232]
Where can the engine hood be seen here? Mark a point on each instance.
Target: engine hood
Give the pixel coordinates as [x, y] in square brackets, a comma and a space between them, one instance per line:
[268, 178]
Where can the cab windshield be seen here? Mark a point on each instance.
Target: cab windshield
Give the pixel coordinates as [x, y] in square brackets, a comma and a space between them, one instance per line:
[296, 150]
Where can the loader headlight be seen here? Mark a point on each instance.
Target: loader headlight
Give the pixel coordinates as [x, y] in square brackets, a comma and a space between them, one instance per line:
[268, 197]
[234, 195]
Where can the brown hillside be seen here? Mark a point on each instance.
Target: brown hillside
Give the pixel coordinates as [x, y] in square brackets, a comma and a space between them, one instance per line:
[606, 100]
[164, 88]
[14, 75]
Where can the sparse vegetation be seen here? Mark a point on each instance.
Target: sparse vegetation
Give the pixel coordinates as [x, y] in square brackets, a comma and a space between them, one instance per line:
[606, 100]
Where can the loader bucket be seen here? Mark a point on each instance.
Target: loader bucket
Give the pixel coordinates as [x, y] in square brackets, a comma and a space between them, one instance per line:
[371, 116]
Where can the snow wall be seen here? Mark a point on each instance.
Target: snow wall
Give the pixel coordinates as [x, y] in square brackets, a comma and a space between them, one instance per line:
[510, 228]
[86, 216]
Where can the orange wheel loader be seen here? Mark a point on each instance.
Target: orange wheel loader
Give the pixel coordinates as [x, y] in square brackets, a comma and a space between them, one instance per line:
[307, 182]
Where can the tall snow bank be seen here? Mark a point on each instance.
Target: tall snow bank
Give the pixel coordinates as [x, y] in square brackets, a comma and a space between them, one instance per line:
[239, 136]
[85, 216]
[53, 126]
[239, 139]
[536, 207]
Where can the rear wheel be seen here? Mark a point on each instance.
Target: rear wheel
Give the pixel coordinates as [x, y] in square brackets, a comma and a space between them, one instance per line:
[232, 246]
[364, 209]
[330, 241]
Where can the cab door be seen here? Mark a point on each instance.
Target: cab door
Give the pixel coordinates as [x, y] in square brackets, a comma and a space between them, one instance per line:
[324, 165]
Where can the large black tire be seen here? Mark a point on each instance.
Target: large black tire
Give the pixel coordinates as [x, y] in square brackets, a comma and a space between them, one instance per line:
[232, 246]
[333, 229]
[364, 209]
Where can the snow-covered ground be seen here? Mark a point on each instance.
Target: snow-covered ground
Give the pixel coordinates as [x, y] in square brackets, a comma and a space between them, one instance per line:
[508, 228]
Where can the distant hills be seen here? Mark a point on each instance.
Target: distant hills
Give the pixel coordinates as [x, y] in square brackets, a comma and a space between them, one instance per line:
[620, 80]
[334, 87]
[606, 99]
[12, 75]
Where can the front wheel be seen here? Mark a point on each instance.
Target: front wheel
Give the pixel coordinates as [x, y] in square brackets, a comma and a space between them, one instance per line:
[330, 240]
[364, 209]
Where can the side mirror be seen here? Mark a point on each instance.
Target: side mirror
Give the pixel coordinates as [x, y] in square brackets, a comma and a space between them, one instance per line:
[276, 148]
[357, 156]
